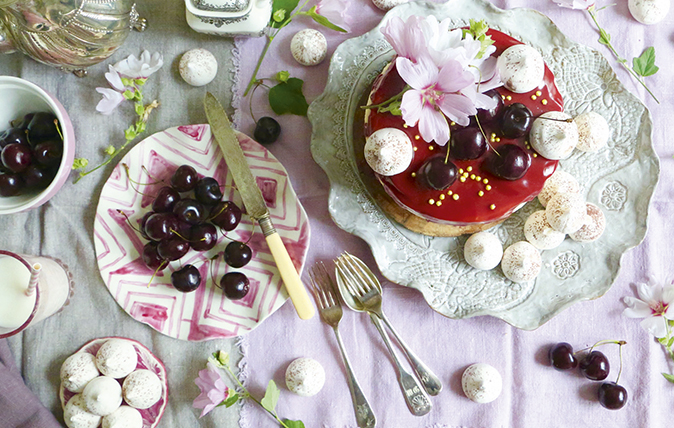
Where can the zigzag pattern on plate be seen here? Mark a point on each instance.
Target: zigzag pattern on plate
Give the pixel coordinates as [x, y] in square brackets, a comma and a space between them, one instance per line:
[205, 313]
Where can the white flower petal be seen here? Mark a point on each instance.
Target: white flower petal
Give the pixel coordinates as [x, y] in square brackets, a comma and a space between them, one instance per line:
[650, 294]
[655, 326]
[111, 99]
[637, 308]
[411, 106]
[420, 75]
[114, 80]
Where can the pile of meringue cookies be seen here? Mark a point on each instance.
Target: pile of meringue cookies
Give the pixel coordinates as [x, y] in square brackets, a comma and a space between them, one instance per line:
[566, 211]
[109, 388]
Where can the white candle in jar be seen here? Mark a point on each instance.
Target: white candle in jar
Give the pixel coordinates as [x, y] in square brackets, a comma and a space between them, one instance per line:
[15, 305]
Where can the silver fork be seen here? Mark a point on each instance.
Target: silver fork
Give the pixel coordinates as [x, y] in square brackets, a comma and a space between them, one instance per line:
[330, 311]
[354, 284]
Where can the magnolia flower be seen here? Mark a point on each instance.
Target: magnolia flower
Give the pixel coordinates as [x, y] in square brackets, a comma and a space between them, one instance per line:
[140, 68]
[655, 304]
[434, 92]
[575, 4]
[406, 38]
[336, 11]
[212, 387]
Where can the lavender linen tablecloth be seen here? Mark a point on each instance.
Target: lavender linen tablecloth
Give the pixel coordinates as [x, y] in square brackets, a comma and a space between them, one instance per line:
[534, 395]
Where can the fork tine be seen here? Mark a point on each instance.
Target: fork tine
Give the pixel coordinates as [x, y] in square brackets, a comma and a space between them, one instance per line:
[327, 285]
[353, 272]
[319, 293]
[357, 265]
[351, 282]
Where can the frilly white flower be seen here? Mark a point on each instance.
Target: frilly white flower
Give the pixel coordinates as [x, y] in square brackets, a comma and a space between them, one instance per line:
[140, 68]
[655, 304]
[575, 4]
[111, 99]
[114, 79]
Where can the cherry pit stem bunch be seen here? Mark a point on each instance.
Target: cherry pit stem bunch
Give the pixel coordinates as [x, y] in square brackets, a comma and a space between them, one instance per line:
[594, 365]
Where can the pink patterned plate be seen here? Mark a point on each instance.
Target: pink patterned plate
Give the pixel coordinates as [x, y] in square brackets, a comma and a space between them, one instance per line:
[146, 360]
[205, 313]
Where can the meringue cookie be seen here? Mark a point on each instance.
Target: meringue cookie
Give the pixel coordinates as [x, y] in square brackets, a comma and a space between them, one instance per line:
[483, 250]
[593, 227]
[521, 262]
[566, 212]
[593, 131]
[124, 417]
[309, 47]
[389, 151]
[648, 11]
[305, 377]
[102, 395]
[75, 414]
[553, 139]
[387, 5]
[142, 389]
[77, 370]
[540, 234]
[521, 68]
[198, 67]
[481, 383]
[116, 358]
[559, 182]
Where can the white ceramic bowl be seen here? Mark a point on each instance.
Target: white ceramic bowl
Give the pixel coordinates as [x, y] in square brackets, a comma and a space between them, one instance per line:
[20, 97]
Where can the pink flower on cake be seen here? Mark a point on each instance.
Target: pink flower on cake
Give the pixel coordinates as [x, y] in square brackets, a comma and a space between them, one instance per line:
[434, 92]
[406, 38]
[655, 304]
[212, 387]
[575, 4]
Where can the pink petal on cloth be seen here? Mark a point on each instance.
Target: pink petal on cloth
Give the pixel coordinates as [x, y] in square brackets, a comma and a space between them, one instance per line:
[111, 99]
[637, 308]
[575, 4]
[337, 12]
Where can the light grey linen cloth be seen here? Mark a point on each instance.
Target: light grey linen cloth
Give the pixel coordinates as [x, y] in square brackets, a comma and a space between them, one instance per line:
[63, 227]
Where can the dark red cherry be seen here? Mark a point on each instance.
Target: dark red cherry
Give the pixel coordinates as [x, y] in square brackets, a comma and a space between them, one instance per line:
[189, 211]
[16, 157]
[186, 279]
[160, 226]
[612, 396]
[226, 215]
[467, 143]
[594, 366]
[508, 161]
[23, 122]
[488, 115]
[42, 126]
[13, 135]
[151, 257]
[237, 254]
[49, 152]
[184, 178]
[207, 191]
[267, 130]
[165, 200]
[37, 177]
[561, 356]
[10, 184]
[235, 285]
[515, 121]
[142, 222]
[436, 173]
[173, 248]
[203, 236]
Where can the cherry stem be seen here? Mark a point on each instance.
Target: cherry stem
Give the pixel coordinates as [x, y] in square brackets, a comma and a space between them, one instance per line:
[569, 120]
[182, 237]
[128, 220]
[161, 266]
[58, 128]
[156, 180]
[602, 342]
[620, 352]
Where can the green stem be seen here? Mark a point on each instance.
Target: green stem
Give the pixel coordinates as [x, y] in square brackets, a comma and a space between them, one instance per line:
[253, 78]
[621, 60]
[388, 101]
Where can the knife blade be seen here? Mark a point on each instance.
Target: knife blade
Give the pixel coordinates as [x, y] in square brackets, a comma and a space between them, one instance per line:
[252, 198]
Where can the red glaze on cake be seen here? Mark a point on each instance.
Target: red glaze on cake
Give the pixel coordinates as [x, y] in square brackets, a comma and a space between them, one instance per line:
[491, 198]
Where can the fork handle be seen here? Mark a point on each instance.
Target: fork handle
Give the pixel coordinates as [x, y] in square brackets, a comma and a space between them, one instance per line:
[364, 415]
[429, 380]
[418, 402]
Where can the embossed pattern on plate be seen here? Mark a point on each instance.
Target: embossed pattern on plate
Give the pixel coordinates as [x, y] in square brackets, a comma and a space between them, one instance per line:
[205, 313]
[620, 178]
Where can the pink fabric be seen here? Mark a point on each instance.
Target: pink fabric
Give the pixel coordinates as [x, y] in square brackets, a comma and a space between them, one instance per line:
[534, 394]
[20, 407]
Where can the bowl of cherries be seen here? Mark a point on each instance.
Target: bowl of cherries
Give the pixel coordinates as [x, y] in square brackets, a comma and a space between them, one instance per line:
[37, 145]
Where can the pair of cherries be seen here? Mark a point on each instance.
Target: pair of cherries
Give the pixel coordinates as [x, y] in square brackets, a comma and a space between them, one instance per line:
[594, 365]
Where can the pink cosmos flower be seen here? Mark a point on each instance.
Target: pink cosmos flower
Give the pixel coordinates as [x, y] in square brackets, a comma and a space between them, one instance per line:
[406, 38]
[575, 4]
[655, 304]
[336, 11]
[212, 387]
[434, 92]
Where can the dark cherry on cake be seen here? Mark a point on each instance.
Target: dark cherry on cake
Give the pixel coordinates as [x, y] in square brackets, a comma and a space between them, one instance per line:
[488, 178]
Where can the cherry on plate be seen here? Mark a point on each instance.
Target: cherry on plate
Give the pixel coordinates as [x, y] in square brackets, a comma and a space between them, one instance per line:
[186, 279]
[207, 191]
[238, 254]
[235, 285]
[226, 215]
[184, 178]
[166, 199]
[203, 236]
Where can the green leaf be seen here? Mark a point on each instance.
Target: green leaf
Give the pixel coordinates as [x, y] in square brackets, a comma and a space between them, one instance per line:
[128, 94]
[126, 81]
[323, 20]
[293, 424]
[140, 109]
[393, 108]
[663, 341]
[671, 342]
[604, 37]
[668, 377]
[80, 163]
[644, 65]
[271, 397]
[282, 9]
[130, 132]
[110, 150]
[140, 82]
[287, 97]
[231, 400]
[478, 29]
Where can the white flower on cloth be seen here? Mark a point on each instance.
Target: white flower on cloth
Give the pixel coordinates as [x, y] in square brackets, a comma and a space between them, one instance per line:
[655, 304]
[575, 4]
[140, 68]
[337, 12]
